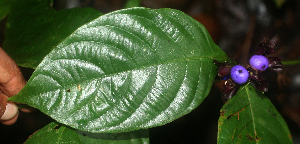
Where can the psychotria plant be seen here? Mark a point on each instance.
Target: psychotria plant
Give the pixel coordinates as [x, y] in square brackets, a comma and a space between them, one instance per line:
[122, 73]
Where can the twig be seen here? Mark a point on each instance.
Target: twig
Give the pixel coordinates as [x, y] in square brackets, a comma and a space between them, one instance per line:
[248, 40]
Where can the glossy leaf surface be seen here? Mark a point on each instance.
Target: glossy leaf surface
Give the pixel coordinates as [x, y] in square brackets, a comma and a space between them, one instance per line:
[127, 70]
[55, 133]
[34, 28]
[250, 117]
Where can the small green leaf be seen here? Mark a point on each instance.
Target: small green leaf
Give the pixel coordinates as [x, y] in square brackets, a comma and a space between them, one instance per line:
[279, 3]
[128, 70]
[34, 28]
[4, 8]
[54, 133]
[250, 117]
[134, 137]
[132, 3]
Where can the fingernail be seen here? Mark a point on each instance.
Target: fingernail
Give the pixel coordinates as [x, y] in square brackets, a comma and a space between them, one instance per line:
[10, 112]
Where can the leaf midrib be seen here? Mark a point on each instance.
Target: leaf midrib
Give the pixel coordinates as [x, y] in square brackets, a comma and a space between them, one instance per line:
[104, 76]
[251, 111]
[138, 68]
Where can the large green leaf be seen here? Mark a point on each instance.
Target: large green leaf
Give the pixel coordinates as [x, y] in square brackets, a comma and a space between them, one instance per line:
[34, 28]
[250, 117]
[127, 70]
[55, 133]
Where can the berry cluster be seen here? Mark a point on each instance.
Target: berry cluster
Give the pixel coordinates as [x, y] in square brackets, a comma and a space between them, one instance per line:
[260, 62]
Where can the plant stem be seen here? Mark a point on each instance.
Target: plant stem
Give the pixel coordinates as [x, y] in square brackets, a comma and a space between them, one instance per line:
[292, 62]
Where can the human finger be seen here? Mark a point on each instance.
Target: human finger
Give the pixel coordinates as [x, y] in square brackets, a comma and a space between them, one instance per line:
[11, 78]
[10, 121]
[11, 83]
[9, 111]
[3, 102]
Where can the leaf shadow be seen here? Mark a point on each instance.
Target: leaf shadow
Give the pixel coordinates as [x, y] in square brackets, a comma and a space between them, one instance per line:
[142, 133]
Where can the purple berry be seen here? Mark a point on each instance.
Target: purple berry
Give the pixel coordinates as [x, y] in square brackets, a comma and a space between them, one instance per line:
[259, 62]
[239, 74]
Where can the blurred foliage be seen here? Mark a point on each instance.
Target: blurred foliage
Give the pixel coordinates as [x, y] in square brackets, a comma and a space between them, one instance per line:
[279, 3]
[4, 8]
[132, 3]
[34, 28]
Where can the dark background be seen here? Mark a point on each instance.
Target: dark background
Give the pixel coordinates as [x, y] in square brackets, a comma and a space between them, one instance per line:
[237, 26]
